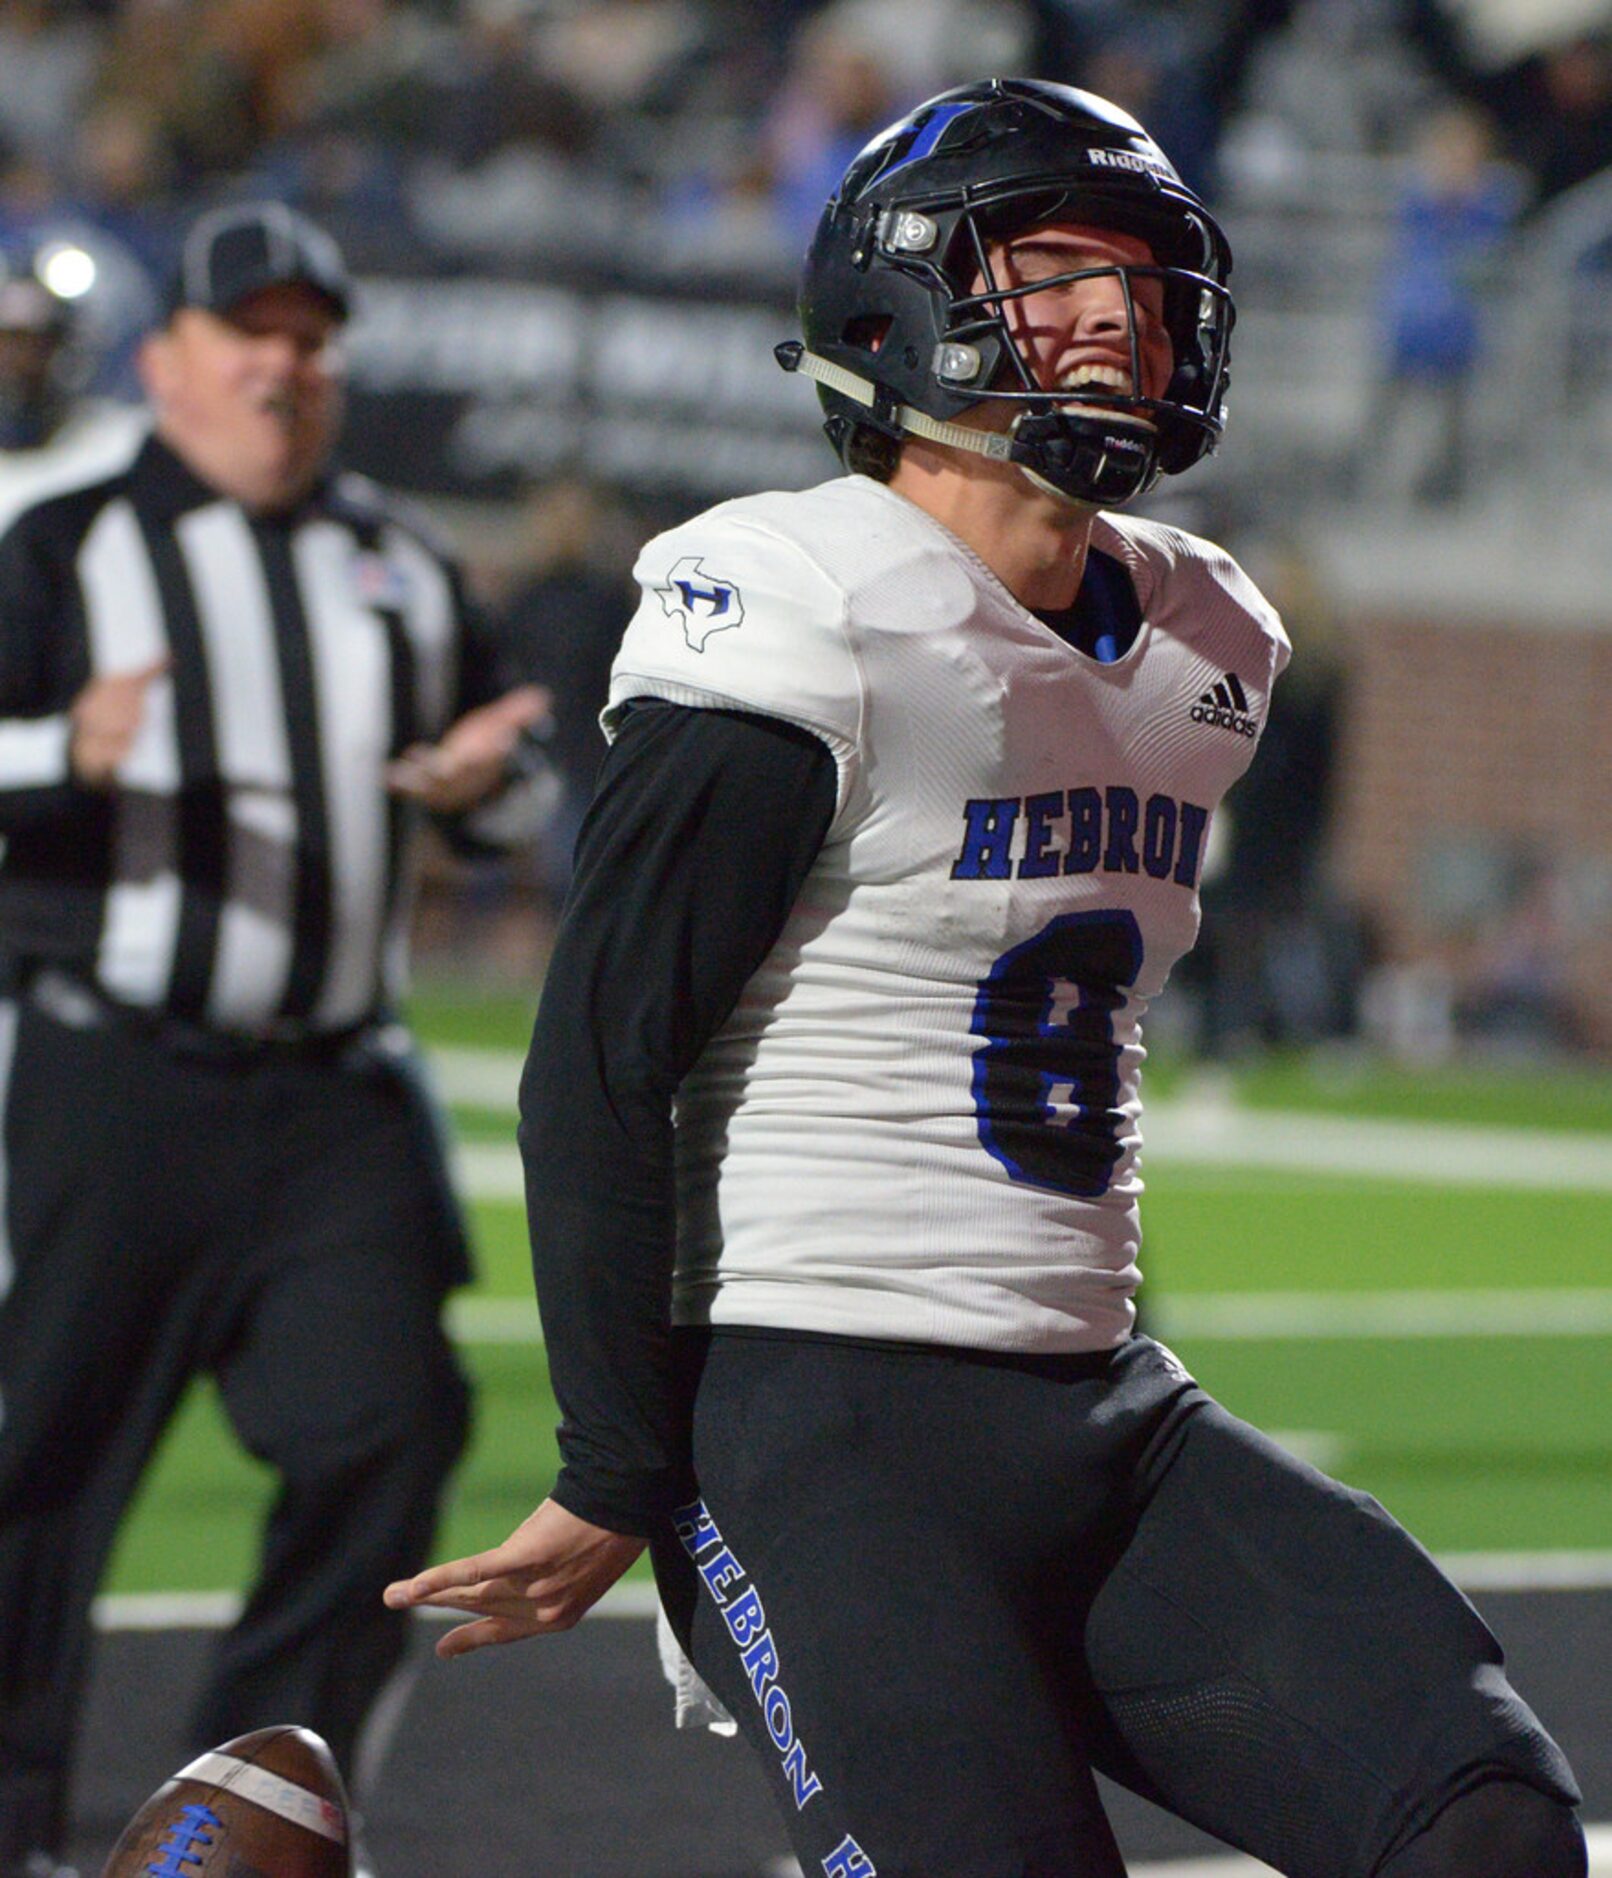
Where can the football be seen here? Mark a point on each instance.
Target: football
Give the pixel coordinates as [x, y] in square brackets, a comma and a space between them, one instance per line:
[268, 1805]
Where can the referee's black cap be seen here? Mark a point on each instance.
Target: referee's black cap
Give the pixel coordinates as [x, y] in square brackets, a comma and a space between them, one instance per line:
[240, 249]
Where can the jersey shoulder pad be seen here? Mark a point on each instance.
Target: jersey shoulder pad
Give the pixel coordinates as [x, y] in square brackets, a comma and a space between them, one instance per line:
[736, 612]
[1193, 586]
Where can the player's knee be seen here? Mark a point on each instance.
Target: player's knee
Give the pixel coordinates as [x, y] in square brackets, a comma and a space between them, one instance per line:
[1501, 1829]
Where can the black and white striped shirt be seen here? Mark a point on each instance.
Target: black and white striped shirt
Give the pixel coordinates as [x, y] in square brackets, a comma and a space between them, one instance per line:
[249, 871]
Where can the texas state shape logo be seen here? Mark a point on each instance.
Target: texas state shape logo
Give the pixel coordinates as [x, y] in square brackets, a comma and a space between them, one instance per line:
[704, 602]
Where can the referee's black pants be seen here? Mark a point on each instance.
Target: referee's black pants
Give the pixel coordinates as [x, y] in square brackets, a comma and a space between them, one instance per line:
[283, 1222]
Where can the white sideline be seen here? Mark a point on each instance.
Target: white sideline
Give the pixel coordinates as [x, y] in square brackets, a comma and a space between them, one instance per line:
[1201, 1130]
[1446, 1153]
[1429, 1153]
[1254, 1316]
[1248, 1316]
[476, 1079]
[635, 1598]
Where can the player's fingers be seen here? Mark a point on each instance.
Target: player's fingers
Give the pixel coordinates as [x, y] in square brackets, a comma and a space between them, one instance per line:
[462, 1575]
[480, 1600]
[525, 1555]
[464, 1638]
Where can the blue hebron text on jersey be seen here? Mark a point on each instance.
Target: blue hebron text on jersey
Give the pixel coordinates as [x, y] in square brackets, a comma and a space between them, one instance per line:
[1078, 831]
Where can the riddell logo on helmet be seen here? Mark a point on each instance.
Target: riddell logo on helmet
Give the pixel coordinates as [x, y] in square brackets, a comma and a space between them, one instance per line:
[1127, 160]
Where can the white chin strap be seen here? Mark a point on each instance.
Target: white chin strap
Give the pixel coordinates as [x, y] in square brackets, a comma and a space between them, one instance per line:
[989, 443]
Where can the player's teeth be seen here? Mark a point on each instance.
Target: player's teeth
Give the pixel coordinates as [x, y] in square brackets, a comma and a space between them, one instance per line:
[1109, 379]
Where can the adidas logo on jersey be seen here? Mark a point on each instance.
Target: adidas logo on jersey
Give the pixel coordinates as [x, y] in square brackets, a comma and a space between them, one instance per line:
[1226, 705]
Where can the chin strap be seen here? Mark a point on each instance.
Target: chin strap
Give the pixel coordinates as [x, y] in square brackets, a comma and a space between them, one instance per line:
[794, 357]
[1120, 461]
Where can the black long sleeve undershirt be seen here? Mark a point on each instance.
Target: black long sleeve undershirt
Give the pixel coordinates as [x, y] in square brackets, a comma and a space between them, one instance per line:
[704, 825]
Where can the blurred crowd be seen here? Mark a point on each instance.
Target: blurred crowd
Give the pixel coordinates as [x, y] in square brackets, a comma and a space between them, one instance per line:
[431, 133]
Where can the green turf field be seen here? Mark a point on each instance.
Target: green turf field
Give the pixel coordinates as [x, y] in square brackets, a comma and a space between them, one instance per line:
[1493, 1434]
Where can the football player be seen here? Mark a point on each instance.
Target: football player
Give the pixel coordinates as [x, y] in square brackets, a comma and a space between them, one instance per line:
[832, 1116]
[52, 434]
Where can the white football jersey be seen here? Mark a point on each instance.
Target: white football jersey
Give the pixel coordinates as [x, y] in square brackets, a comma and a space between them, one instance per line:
[921, 1120]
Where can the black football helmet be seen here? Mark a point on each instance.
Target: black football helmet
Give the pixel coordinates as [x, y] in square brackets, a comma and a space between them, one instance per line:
[38, 362]
[902, 337]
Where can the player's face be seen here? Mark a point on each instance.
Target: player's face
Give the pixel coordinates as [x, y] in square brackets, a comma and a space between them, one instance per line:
[1078, 332]
[252, 400]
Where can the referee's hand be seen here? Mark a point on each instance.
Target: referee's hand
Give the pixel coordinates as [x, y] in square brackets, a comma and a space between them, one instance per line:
[472, 759]
[545, 1576]
[105, 719]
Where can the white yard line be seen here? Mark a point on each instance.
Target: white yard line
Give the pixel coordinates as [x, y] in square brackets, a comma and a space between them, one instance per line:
[1529, 1571]
[635, 1598]
[1425, 1153]
[1254, 1316]
[1197, 1131]
[489, 1170]
[1445, 1153]
[167, 1610]
[1247, 1316]
[477, 1079]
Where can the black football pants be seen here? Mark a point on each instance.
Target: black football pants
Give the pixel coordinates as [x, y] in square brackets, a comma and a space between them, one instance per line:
[936, 1588]
[284, 1224]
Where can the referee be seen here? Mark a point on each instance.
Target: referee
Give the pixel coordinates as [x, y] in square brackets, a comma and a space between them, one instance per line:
[230, 681]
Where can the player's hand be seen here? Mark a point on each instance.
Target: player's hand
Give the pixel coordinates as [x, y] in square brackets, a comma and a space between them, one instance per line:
[105, 719]
[472, 759]
[545, 1576]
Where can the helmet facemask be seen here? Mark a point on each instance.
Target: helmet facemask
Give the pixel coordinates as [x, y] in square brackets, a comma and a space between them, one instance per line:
[1091, 441]
[38, 366]
[909, 328]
